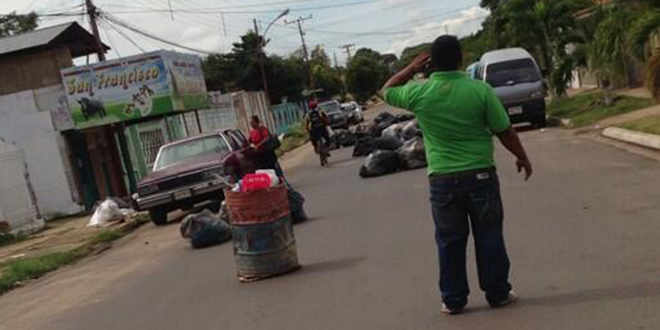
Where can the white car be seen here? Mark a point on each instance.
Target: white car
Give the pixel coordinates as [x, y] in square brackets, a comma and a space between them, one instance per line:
[354, 112]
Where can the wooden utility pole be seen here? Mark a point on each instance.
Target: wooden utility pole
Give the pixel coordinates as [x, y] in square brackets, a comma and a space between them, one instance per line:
[92, 12]
[299, 21]
[260, 58]
[347, 49]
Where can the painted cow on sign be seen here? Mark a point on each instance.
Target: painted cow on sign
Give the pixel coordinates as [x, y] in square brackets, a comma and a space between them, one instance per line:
[91, 107]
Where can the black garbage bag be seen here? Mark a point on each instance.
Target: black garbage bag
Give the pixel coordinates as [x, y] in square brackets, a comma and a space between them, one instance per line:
[377, 129]
[380, 162]
[384, 116]
[404, 117]
[395, 131]
[410, 130]
[344, 138]
[364, 146]
[296, 201]
[387, 143]
[412, 154]
[205, 229]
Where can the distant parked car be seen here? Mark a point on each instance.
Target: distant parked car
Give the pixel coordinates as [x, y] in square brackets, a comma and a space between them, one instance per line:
[354, 112]
[193, 171]
[338, 118]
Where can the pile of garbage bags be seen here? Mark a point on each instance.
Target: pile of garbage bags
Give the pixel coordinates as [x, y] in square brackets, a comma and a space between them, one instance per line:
[391, 143]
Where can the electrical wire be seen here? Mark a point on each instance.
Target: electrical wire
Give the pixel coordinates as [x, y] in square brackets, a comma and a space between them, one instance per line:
[227, 10]
[124, 35]
[152, 36]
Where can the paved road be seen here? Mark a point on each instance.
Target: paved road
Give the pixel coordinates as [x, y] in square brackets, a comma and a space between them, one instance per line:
[583, 237]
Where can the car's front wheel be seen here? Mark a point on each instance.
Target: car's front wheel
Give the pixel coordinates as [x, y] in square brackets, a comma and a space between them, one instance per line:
[158, 216]
[214, 206]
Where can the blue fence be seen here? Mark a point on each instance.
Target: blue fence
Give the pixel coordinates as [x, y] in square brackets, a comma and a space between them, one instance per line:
[287, 114]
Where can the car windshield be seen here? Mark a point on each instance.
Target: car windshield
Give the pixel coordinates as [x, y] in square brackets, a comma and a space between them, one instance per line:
[180, 152]
[330, 107]
[512, 72]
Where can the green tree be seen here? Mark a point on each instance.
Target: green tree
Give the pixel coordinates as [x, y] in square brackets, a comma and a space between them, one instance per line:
[609, 52]
[13, 23]
[545, 28]
[366, 74]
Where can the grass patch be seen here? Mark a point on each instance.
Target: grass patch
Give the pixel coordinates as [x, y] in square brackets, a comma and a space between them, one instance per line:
[649, 125]
[8, 239]
[294, 138]
[587, 109]
[107, 236]
[13, 273]
[31, 268]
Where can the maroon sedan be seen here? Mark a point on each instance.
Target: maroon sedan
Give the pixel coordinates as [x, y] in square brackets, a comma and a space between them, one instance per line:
[192, 171]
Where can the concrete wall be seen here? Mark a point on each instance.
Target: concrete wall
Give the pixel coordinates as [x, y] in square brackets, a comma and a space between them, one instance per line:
[17, 209]
[28, 120]
[34, 70]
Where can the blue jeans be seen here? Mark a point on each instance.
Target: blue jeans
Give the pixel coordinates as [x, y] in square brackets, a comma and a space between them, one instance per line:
[454, 199]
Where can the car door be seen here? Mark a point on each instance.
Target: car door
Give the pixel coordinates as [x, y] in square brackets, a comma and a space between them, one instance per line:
[244, 158]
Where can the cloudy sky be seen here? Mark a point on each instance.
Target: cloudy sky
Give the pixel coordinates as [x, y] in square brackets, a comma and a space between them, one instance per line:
[212, 25]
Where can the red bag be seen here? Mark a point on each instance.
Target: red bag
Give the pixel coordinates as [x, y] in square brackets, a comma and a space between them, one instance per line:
[253, 182]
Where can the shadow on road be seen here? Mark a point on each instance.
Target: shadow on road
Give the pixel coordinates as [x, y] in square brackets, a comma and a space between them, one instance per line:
[329, 266]
[641, 290]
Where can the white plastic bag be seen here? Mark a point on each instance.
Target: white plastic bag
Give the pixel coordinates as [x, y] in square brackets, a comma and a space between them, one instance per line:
[274, 179]
[106, 212]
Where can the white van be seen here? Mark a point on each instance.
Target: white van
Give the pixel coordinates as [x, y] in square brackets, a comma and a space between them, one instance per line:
[517, 81]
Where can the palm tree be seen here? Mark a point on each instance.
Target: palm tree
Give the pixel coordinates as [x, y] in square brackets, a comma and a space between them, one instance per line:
[546, 27]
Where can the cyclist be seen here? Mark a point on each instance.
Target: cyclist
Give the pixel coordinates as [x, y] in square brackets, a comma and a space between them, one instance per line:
[316, 123]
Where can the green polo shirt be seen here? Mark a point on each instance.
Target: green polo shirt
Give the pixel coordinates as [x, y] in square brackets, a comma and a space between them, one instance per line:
[458, 117]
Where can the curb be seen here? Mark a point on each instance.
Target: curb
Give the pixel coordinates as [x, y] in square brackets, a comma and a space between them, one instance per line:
[642, 139]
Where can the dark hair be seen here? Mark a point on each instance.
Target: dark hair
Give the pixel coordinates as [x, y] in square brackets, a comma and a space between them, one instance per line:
[446, 54]
[256, 119]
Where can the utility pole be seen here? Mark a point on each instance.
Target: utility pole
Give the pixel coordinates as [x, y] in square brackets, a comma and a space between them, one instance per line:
[347, 49]
[260, 58]
[299, 21]
[93, 13]
[334, 54]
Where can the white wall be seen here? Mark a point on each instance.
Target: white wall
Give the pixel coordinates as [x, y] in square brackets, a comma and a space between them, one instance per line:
[16, 206]
[26, 120]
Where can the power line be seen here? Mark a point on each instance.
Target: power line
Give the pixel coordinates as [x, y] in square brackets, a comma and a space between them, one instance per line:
[152, 36]
[121, 33]
[228, 10]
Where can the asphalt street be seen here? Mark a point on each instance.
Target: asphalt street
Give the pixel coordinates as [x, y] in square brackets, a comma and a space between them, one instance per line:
[583, 236]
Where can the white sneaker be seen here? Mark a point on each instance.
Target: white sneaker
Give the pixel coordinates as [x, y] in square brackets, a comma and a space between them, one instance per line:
[449, 311]
[513, 297]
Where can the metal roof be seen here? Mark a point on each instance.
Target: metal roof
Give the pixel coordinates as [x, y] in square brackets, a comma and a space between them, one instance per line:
[70, 35]
[507, 54]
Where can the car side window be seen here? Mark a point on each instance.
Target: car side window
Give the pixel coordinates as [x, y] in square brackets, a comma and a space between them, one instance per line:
[235, 145]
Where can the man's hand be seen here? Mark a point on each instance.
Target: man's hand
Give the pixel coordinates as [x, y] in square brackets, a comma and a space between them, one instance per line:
[402, 77]
[420, 62]
[525, 164]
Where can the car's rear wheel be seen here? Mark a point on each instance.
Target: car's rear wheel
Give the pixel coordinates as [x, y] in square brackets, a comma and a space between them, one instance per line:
[214, 206]
[540, 123]
[158, 216]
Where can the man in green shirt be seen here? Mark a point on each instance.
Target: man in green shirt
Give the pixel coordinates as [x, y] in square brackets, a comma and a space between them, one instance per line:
[458, 117]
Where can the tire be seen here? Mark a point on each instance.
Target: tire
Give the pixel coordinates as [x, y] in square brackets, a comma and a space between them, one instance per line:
[540, 123]
[158, 216]
[214, 206]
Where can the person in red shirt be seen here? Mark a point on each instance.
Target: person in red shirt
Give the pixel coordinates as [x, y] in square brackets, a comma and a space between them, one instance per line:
[259, 135]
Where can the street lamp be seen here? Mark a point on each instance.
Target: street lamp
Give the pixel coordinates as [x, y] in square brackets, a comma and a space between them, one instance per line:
[284, 13]
[262, 44]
